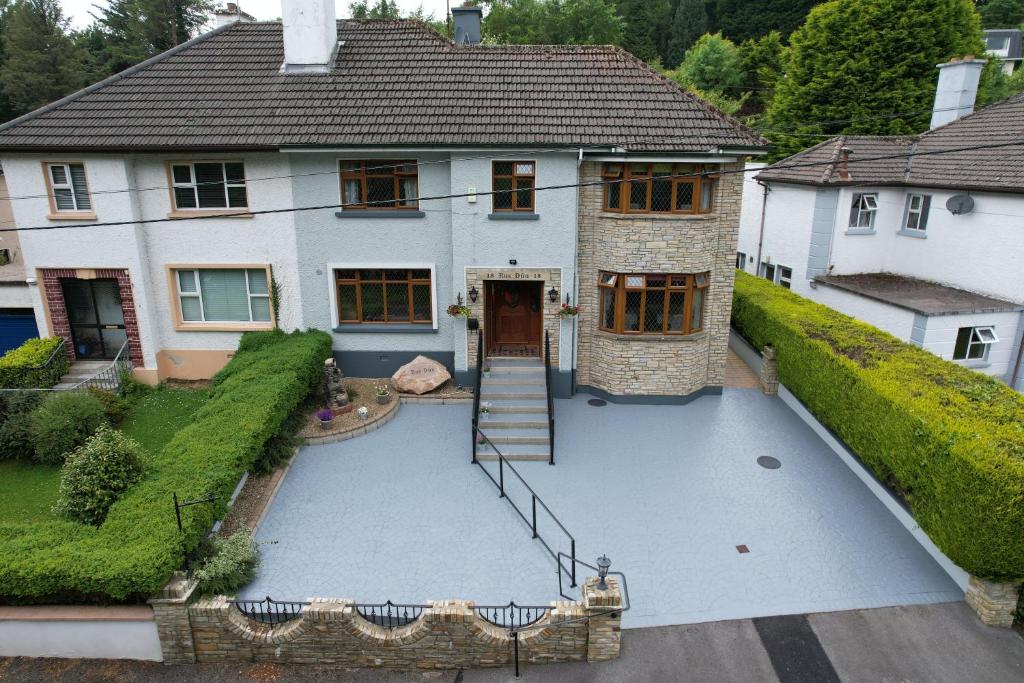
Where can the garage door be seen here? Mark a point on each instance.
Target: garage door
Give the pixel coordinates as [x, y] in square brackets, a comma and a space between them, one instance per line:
[16, 325]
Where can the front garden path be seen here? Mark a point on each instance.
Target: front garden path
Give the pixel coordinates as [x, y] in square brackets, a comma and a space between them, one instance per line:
[668, 492]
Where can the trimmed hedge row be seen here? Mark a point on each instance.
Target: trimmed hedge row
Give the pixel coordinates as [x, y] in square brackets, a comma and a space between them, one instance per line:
[25, 367]
[134, 551]
[950, 440]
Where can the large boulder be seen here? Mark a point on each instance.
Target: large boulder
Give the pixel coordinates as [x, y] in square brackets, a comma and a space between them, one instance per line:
[420, 376]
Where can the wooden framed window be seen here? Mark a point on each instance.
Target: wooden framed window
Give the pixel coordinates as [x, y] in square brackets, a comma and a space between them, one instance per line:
[658, 188]
[208, 185]
[381, 296]
[69, 190]
[645, 303]
[513, 184]
[379, 184]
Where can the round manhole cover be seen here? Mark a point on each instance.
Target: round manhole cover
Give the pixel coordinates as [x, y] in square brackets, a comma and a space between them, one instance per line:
[598, 402]
[768, 462]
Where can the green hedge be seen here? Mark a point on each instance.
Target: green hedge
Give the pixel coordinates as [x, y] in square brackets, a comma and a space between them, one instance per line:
[950, 440]
[134, 551]
[26, 366]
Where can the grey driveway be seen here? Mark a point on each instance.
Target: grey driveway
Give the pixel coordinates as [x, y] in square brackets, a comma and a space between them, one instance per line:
[668, 492]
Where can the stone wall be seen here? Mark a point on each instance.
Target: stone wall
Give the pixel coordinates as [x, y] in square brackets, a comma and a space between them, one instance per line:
[655, 365]
[448, 634]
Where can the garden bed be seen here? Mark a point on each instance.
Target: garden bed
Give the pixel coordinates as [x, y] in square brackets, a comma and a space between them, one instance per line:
[361, 393]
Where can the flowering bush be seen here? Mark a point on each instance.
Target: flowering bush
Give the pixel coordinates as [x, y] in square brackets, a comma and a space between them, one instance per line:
[459, 311]
[231, 564]
[568, 310]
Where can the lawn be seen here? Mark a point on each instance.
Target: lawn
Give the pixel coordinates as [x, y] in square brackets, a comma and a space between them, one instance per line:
[27, 491]
[158, 416]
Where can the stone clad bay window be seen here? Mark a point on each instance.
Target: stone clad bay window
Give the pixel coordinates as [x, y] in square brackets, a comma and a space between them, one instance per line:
[513, 185]
[379, 184]
[68, 187]
[384, 296]
[636, 303]
[229, 295]
[209, 186]
[658, 188]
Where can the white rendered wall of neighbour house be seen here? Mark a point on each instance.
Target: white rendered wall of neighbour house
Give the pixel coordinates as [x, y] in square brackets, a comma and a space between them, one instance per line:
[147, 249]
[452, 235]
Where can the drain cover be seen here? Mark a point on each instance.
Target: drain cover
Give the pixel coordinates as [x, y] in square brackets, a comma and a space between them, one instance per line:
[599, 402]
[768, 462]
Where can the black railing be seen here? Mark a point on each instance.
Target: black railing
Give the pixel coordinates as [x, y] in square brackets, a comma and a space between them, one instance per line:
[389, 614]
[551, 402]
[476, 388]
[512, 616]
[531, 521]
[269, 611]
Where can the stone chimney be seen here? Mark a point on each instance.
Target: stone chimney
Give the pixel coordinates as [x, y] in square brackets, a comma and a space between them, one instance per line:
[957, 89]
[467, 24]
[310, 36]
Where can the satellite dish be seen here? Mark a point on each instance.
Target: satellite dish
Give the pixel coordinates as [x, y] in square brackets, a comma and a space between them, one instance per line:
[960, 204]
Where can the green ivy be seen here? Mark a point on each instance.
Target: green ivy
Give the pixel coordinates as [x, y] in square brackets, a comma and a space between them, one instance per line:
[948, 439]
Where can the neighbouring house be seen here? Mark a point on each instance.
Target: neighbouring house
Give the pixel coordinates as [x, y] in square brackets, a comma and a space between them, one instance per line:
[17, 319]
[1004, 45]
[376, 173]
[925, 246]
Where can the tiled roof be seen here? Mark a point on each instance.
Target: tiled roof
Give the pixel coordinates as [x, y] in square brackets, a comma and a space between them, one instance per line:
[996, 168]
[393, 83]
[920, 296]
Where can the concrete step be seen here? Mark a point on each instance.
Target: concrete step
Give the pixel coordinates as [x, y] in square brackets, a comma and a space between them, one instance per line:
[513, 362]
[518, 457]
[515, 451]
[540, 411]
[513, 380]
[504, 395]
[516, 370]
[499, 438]
[514, 421]
[65, 385]
[513, 387]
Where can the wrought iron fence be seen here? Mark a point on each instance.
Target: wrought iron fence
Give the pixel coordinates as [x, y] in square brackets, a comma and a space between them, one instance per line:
[390, 614]
[512, 616]
[269, 611]
[110, 377]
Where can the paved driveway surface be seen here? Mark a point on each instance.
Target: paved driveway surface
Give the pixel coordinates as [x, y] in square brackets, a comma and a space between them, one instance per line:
[668, 492]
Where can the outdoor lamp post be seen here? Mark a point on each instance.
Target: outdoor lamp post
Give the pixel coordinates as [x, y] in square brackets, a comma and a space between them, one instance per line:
[603, 563]
[473, 293]
[552, 295]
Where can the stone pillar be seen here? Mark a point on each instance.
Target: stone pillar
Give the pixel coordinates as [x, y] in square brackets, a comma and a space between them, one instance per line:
[769, 372]
[170, 611]
[994, 602]
[604, 632]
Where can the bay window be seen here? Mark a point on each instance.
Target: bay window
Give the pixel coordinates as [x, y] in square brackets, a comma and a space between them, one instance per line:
[634, 303]
[658, 188]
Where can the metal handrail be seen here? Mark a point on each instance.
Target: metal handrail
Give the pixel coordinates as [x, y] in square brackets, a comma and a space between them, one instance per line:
[551, 402]
[503, 463]
[110, 376]
[476, 388]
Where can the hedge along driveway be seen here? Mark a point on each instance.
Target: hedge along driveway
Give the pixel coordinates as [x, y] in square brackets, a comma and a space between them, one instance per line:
[950, 440]
[135, 550]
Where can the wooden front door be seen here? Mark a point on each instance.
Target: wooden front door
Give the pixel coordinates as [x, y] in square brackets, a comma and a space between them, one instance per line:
[515, 315]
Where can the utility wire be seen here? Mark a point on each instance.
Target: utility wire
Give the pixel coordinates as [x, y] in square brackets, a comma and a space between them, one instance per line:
[321, 207]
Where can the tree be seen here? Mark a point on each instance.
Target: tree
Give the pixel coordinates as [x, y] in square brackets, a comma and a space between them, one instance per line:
[1001, 13]
[713, 70]
[689, 23]
[553, 22]
[761, 62]
[856, 63]
[135, 30]
[743, 19]
[41, 62]
[645, 26]
[382, 9]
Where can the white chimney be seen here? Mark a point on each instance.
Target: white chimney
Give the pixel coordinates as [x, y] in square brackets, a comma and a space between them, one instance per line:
[957, 89]
[310, 36]
[467, 24]
[229, 14]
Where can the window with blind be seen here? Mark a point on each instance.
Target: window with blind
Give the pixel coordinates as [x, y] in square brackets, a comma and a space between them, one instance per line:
[633, 303]
[513, 185]
[69, 187]
[223, 295]
[658, 188]
[399, 295]
[209, 185]
[379, 184]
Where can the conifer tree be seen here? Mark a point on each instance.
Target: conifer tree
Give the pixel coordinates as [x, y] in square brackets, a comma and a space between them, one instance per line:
[41, 62]
[689, 23]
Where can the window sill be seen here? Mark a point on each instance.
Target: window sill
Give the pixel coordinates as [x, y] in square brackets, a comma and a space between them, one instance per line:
[974, 364]
[72, 216]
[918, 234]
[655, 338]
[860, 231]
[362, 213]
[659, 216]
[513, 216]
[383, 328]
[244, 213]
[223, 327]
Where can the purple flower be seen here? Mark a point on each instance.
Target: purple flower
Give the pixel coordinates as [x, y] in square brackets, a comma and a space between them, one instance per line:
[325, 414]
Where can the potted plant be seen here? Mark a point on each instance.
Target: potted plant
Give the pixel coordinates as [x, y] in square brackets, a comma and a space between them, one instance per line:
[383, 392]
[569, 311]
[481, 442]
[485, 408]
[326, 417]
[459, 311]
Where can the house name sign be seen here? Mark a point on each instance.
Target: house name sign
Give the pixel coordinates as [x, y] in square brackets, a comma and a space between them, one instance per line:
[513, 275]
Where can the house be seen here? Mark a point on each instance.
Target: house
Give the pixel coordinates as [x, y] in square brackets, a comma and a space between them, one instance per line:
[374, 173]
[17, 319]
[920, 242]
[1004, 45]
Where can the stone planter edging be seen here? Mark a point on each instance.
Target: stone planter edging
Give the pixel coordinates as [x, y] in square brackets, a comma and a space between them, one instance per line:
[358, 430]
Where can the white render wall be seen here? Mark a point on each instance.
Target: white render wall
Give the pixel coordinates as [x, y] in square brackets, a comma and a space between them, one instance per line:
[897, 321]
[940, 339]
[100, 639]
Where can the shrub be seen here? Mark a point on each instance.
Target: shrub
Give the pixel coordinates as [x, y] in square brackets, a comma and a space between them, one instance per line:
[949, 439]
[96, 475]
[27, 366]
[231, 564]
[138, 546]
[62, 423]
[15, 436]
[115, 407]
